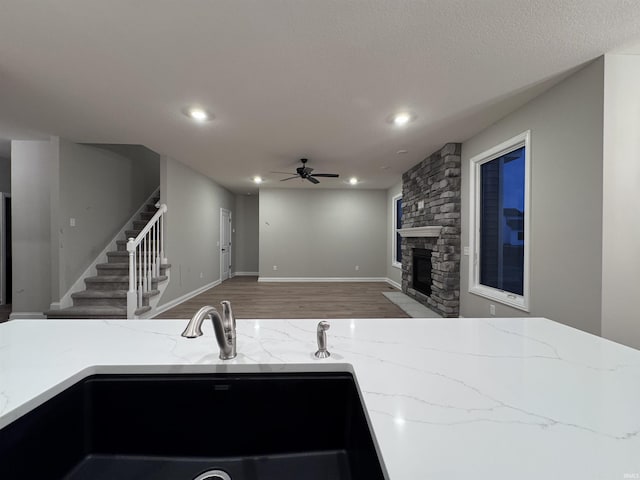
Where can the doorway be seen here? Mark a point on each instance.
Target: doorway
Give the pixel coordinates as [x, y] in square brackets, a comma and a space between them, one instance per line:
[225, 244]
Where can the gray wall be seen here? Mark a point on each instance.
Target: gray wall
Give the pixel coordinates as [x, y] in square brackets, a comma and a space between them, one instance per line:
[245, 251]
[621, 224]
[31, 170]
[323, 233]
[145, 168]
[566, 201]
[5, 175]
[192, 227]
[101, 189]
[393, 273]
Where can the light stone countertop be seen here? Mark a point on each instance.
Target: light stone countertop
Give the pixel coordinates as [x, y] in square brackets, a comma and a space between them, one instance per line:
[447, 398]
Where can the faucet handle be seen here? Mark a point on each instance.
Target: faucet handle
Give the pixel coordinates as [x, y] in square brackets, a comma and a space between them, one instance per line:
[322, 340]
[227, 316]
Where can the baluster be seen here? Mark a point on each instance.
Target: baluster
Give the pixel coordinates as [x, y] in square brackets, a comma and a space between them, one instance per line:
[140, 279]
[148, 238]
[162, 237]
[155, 247]
[158, 259]
[146, 267]
[148, 262]
[141, 260]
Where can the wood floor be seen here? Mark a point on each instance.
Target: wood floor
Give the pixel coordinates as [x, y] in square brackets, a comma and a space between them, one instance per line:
[251, 299]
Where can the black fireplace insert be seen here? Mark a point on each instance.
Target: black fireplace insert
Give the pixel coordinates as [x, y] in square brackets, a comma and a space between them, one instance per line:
[422, 270]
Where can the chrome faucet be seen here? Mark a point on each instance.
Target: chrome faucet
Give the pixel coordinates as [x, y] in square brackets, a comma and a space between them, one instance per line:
[224, 328]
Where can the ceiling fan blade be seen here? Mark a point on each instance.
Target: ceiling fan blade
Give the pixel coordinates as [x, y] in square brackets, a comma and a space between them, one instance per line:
[284, 173]
[331, 175]
[313, 180]
[295, 176]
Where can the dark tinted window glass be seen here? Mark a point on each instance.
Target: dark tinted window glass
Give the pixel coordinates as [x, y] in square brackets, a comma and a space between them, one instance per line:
[502, 222]
[398, 225]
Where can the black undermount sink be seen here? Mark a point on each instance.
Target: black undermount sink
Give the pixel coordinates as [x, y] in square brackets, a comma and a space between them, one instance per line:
[251, 426]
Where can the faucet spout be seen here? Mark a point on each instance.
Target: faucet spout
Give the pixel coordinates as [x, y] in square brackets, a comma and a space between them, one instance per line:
[224, 327]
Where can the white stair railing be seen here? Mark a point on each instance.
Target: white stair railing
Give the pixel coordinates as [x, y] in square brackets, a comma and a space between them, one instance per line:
[146, 254]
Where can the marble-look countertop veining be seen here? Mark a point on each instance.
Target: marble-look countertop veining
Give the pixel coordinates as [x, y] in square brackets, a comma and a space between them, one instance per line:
[447, 398]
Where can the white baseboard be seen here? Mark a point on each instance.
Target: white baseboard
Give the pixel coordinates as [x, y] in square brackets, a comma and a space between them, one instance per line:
[322, 279]
[394, 284]
[27, 316]
[179, 300]
[246, 274]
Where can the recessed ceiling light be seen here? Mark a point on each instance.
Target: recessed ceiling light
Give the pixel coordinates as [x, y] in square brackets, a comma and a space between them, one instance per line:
[353, 181]
[257, 179]
[198, 114]
[401, 119]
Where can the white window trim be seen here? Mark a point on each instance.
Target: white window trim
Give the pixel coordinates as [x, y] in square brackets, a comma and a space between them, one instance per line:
[521, 302]
[394, 235]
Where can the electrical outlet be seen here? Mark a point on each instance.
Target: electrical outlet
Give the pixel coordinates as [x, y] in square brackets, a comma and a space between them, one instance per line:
[275, 267]
[492, 309]
[465, 250]
[357, 267]
[72, 222]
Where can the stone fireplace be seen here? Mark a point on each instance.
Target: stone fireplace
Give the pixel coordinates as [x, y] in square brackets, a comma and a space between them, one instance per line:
[431, 227]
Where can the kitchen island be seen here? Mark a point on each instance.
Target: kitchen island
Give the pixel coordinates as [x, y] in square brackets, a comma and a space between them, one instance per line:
[446, 398]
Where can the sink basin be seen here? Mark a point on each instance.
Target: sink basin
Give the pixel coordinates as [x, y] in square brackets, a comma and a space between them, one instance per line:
[149, 426]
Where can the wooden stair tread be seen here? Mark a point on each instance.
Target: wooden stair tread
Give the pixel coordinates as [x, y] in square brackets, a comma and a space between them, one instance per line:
[109, 294]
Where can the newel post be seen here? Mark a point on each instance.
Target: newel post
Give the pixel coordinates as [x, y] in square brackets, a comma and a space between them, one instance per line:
[132, 298]
[163, 259]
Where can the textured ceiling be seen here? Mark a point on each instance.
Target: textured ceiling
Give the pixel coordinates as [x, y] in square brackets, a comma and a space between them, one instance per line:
[289, 78]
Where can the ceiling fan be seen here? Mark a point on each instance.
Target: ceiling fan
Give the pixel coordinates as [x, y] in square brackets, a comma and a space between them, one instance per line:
[304, 172]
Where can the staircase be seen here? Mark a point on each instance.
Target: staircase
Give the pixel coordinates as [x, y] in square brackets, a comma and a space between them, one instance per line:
[105, 295]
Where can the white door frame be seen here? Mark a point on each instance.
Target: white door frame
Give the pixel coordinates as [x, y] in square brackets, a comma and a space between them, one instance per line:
[3, 241]
[225, 249]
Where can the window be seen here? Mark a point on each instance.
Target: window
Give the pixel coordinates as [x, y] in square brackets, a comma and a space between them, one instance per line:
[396, 251]
[499, 226]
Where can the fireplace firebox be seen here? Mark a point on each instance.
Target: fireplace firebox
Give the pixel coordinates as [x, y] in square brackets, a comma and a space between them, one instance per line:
[422, 270]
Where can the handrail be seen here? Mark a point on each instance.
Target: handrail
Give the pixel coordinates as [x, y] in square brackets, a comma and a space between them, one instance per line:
[146, 254]
[161, 211]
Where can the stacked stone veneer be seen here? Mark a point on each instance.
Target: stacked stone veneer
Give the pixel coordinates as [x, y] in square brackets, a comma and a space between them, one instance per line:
[436, 182]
